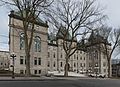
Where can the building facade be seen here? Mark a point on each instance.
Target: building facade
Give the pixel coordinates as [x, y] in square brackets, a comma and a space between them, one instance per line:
[48, 54]
[116, 67]
[38, 50]
[91, 61]
[56, 58]
[4, 60]
[96, 57]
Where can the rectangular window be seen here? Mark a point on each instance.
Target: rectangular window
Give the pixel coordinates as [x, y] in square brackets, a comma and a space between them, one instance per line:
[81, 64]
[21, 71]
[61, 55]
[54, 55]
[48, 64]
[48, 54]
[39, 61]
[80, 58]
[77, 57]
[54, 64]
[21, 60]
[84, 64]
[84, 58]
[74, 64]
[35, 61]
[61, 64]
[35, 71]
[39, 71]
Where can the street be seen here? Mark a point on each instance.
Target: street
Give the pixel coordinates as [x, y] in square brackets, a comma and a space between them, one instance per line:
[83, 82]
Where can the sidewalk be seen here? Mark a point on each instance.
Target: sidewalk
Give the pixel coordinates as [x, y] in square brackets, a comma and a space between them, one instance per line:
[70, 74]
[42, 78]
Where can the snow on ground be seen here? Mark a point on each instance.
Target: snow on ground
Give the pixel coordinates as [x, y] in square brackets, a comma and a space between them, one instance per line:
[56, 73]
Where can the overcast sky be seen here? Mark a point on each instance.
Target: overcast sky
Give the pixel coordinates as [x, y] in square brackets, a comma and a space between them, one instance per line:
[112, 9]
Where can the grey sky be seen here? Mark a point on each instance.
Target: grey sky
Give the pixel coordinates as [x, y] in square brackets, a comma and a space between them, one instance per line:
[111, 9]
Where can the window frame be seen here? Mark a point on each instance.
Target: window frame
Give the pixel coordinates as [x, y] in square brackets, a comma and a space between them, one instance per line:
[22, 41]
[37, 44]
[21, 60]
[35, 60]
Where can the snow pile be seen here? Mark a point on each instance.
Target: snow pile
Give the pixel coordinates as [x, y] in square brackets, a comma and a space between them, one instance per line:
[56, 73]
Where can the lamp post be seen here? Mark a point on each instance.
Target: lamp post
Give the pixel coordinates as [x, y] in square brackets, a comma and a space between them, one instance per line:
[96, 66]
[13, 63]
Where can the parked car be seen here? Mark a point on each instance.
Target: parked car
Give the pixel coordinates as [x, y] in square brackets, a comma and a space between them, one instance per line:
[101, 75]
[92, 75]
[98, 75]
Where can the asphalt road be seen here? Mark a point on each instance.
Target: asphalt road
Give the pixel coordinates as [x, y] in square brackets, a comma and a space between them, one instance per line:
[63, 83]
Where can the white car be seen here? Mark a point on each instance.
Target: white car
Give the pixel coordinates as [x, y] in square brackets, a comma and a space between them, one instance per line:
[98, 75]
[101, 75]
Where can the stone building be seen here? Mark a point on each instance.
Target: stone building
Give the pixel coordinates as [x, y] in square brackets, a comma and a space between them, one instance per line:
[56, 57]
[47, 53]
[4, 60]
[116, 67]
[96, 57]
[39, 46]
[93, 60]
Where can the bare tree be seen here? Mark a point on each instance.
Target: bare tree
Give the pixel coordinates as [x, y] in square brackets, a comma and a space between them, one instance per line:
[113, 36]
[29, 11]
[72, 18]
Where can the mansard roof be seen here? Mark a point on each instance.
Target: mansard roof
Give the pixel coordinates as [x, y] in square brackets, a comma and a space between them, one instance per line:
[62, 33]
[96, 38]
[52, 39]
[16, 15]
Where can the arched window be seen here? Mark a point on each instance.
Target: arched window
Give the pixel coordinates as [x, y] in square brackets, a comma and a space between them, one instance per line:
[22, 42]
[37, 44]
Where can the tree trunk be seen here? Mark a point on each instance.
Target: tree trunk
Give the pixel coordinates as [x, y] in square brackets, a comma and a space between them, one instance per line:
[66, 67]
[109, 71]
[28, 64]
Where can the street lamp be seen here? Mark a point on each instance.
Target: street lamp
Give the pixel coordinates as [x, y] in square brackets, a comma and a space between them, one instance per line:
[96, 66]
[13, 63]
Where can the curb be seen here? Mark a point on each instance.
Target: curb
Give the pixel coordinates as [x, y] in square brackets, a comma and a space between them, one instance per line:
[54, 78]
[30, 79]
